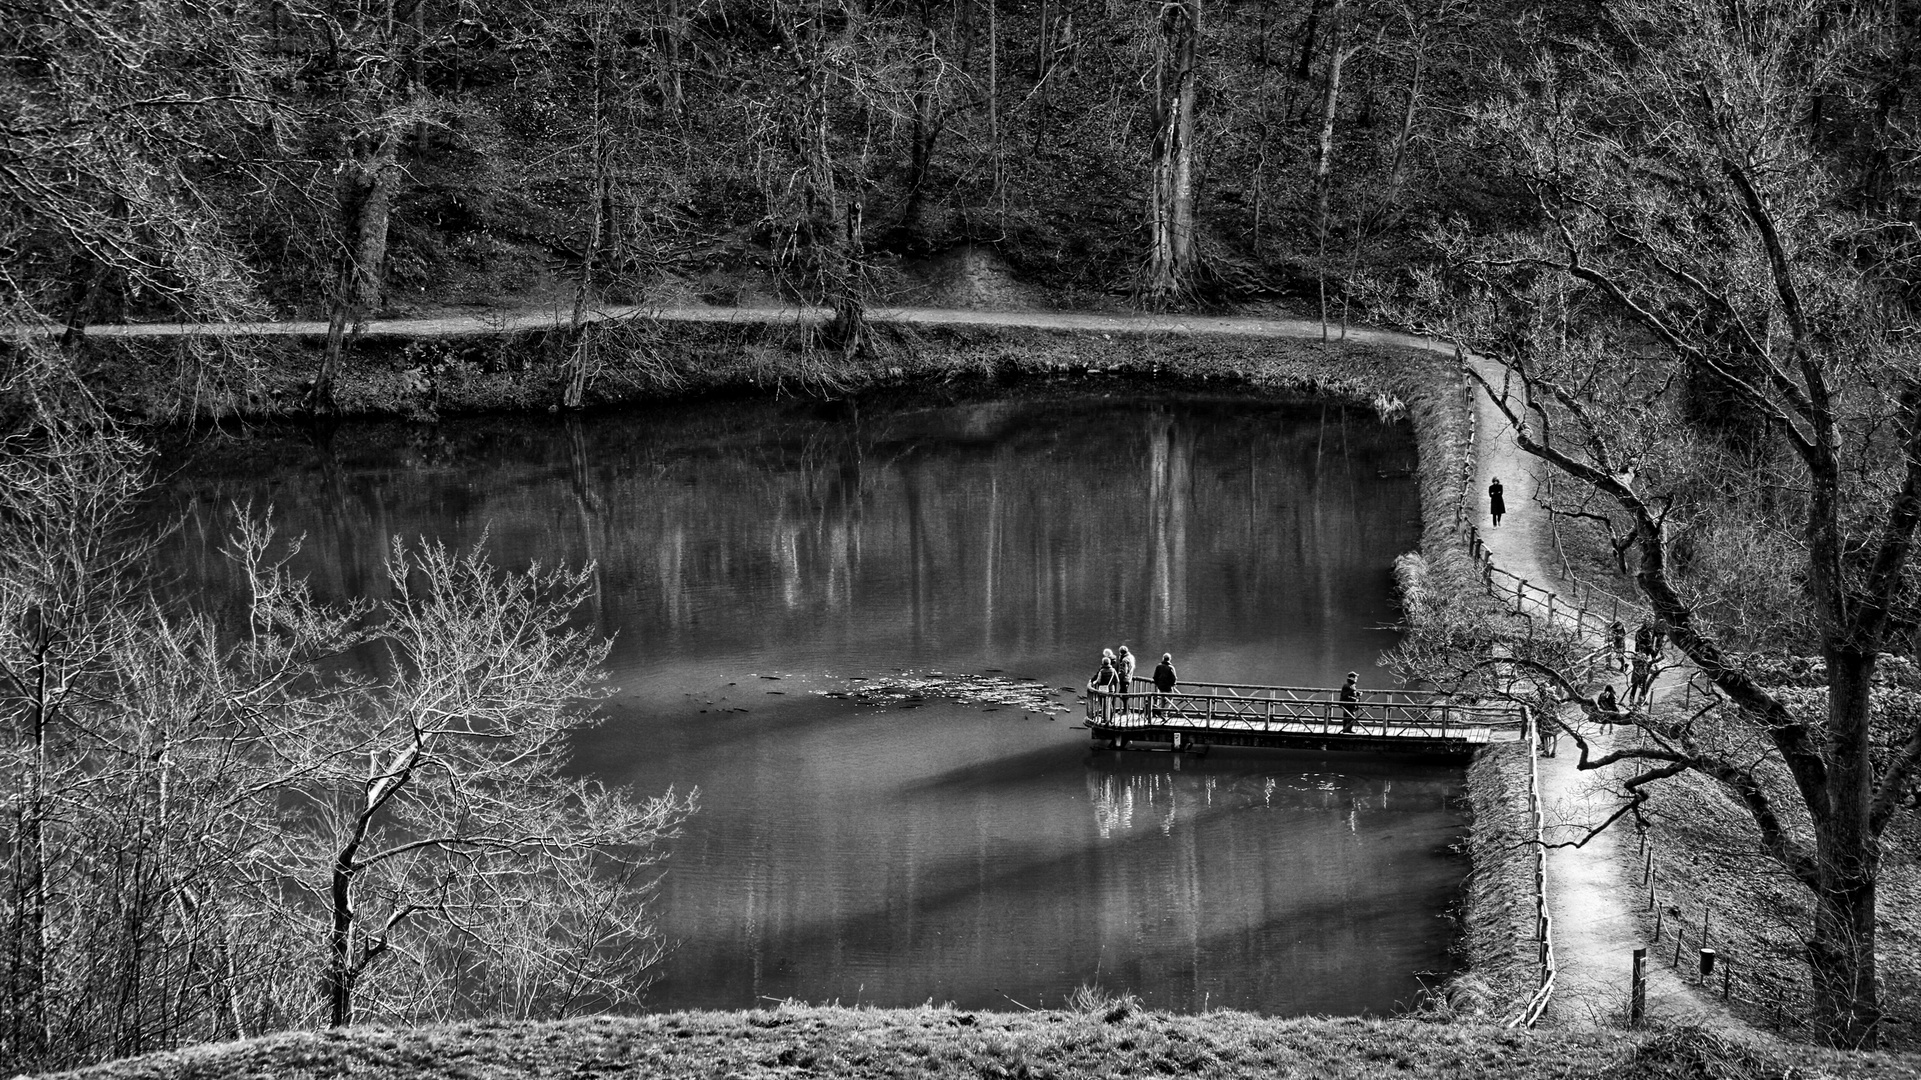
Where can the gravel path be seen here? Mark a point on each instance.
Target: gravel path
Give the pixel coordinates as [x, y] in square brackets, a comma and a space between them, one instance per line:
[1591, 896]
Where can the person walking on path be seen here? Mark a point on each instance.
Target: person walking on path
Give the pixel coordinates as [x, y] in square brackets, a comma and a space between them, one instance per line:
[1640, 678]
[1350, 700]
[1496, 505]
[1618, 645]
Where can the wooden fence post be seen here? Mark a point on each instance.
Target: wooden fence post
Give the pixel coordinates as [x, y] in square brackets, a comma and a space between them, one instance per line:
[1638, 995]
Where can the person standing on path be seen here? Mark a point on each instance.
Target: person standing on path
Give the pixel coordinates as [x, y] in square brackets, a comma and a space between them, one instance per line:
[1496, 505]
[1350, 700]
[1618, 644]
[1607, 709]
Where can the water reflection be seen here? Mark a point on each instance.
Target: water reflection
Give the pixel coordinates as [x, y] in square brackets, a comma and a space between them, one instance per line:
[751, 557]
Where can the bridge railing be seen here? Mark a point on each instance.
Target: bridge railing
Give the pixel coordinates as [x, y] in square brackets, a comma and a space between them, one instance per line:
[1311, 710]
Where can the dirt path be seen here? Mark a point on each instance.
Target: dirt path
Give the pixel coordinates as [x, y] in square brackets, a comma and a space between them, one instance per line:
[527, 319]
[1590, 896]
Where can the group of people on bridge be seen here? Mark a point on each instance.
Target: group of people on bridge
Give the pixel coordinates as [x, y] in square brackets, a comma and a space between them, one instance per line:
[1116, 676]
[1116, 673]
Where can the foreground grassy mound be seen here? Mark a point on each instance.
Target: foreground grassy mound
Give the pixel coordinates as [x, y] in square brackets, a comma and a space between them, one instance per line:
[1111, 1039]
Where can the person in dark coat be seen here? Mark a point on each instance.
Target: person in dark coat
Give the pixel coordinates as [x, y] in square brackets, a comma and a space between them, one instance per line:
[1164, 680]
[1350, 700]
[1105, 678]
[1607, 708]
[1496, 505]
[1618, 644]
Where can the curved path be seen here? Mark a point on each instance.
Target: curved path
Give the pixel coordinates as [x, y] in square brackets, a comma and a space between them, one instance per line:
[1590, 896]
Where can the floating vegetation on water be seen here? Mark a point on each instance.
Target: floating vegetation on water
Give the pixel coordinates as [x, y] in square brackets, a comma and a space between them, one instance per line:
[910, 689]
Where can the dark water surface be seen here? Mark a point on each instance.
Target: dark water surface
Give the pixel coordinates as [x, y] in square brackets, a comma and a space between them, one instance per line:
[934, 849]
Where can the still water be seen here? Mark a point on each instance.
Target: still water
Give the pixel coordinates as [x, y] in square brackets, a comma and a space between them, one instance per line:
[753, 559]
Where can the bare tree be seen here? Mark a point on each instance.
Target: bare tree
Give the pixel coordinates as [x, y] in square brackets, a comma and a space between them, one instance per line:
[214, 813]
[1695, 236]
[112, 131]
[433, 797]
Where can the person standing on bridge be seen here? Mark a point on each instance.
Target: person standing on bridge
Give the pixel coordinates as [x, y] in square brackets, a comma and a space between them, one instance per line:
[1496, 505]
[1124, 674]
[1106, 674]
[1350, 700]
[1164, 680]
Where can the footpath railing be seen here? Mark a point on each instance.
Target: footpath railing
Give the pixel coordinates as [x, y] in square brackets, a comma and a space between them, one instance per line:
[1298, 709]
[1543, 920]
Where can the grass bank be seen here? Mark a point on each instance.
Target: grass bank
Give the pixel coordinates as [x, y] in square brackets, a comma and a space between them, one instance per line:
[171, 381]
[1108, 1039]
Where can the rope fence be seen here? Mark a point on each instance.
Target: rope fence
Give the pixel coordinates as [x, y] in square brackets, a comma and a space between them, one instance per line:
[1543, 920]
[1695, 959]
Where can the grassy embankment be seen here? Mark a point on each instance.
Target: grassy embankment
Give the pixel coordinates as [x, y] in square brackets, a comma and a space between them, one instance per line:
[173, 381]
[1108, 1040]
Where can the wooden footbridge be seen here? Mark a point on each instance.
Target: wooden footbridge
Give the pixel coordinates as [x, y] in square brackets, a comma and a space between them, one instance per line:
[1195, 716]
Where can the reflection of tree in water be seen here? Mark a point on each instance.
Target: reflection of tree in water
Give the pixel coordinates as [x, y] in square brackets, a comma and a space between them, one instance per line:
[1125, 798]
[1007, 527]
[1170, 494]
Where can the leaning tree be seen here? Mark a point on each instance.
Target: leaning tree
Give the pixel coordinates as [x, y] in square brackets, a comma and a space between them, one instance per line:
[1706, 328]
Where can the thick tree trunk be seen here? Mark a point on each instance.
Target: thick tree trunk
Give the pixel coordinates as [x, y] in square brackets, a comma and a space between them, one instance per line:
[366, 200]
[1172, 261]
[1324, 160]
[339, 979]
[1847, 1005]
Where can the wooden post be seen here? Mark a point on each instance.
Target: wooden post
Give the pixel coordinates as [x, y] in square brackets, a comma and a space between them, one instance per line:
[1727, 973]
[1657, 917]
[1638, 995]
[1705, 908]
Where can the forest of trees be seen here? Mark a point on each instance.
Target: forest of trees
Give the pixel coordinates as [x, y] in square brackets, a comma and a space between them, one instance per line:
[1687, 228]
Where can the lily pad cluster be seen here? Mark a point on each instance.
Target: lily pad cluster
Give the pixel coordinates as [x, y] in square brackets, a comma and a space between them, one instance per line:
[909, 689]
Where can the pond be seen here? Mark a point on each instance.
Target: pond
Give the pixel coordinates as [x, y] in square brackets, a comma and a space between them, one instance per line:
[858, 632]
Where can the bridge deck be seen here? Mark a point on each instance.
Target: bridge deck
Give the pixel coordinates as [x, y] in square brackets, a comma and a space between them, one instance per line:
[1199, 715]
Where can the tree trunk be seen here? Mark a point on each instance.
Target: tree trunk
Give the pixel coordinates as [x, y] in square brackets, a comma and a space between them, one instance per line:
[339, 980]
[1847, 1005]
[1397, 159]
[999, 179]
[1172, 261]
[366, 199]
[1306, 64]
[1324, 160]
[574, 393]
